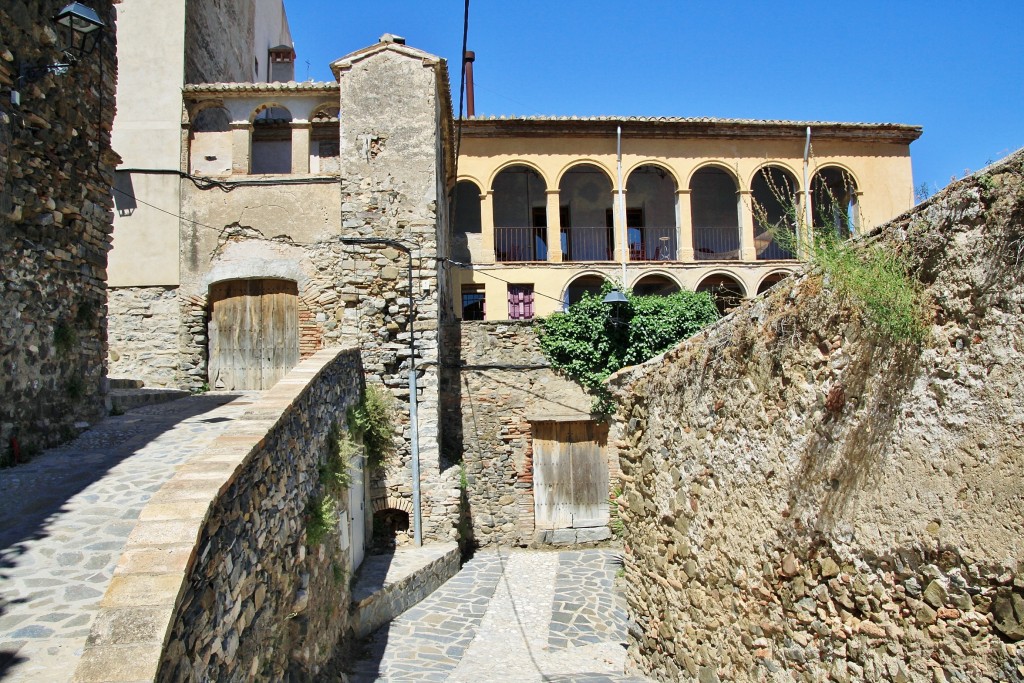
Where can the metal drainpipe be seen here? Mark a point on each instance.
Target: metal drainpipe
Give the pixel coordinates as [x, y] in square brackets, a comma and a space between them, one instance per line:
[414, 431]
[807, 194]
[624, 245]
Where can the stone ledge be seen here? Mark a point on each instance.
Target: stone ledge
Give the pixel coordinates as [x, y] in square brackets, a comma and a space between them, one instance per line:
[388, 585]
[130, 631]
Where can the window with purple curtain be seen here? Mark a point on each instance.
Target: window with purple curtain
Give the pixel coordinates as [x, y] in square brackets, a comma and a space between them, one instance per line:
[520, 302]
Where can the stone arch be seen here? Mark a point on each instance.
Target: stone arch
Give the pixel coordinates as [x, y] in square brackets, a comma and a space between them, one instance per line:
[584, 161]
[589, 281]
[585, 195]
[656, 283]
[519, 211]
[714, 164]
[651, 213]
[715, 213]
[770, 280]
[271, 139]
[775, 202]
[835, 200]
[517, 162]
[727, 289]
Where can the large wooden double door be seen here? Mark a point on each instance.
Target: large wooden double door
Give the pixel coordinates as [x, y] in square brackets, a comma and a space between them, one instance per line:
[253, 333]
[570, 474]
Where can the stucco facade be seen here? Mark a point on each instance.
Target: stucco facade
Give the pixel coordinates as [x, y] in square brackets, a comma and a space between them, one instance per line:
[521, 233]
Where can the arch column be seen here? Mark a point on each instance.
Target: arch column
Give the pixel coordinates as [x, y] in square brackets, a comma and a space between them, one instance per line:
[241, 147]
[487, 226]
[301, 131]
[554, 229]
[746, 214]
[685, 229]
[620, 235]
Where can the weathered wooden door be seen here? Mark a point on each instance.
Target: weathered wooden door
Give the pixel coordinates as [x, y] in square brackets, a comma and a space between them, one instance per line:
[570, 474]
[254, 333]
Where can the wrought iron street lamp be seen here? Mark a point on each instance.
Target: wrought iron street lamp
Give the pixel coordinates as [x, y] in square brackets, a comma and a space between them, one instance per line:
[80, 29]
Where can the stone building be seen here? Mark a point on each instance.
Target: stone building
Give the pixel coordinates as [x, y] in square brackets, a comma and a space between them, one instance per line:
[56, 168]
[539, 219]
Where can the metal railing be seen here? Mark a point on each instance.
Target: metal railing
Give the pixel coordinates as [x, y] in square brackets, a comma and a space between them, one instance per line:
[652, 244]
[716, 244]
[588, 244]
[768, 249]
[520, 244]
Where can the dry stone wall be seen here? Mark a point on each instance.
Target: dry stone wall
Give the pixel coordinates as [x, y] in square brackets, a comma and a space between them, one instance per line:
[504, 382]
[260, 602]
[807, 500]
[144, 326]
[56, 169]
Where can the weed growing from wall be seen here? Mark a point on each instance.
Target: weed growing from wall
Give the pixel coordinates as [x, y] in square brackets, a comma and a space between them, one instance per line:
[321, 518]
[64, 338]
[872, 277]
[590, 340]
[372, 420]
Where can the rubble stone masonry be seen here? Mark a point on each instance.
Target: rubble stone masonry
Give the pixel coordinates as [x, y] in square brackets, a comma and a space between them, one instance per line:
[56, 170]
[807, 500]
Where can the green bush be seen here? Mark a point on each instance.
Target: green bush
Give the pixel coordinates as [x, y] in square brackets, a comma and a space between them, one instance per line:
[373, 421]
[590, 340]
[334, 470]
[321, 519]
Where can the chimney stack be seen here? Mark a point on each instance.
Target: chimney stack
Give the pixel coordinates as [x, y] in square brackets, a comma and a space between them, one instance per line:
[468, 59]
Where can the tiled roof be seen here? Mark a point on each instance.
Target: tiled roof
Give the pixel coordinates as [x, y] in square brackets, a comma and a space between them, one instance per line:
[688, 119]
[290, 86]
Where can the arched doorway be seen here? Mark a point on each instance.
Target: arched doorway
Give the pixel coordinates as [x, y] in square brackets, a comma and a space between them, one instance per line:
[774, 196]
[651, 214]
[770, 281]
[727, 291]
[585, 284]
[585, 194]
[253, 333]
[655, 285]
[714, 210]
[834, 202]
[520, 215]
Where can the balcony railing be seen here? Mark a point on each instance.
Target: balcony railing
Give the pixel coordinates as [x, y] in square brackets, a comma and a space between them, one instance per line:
[768, 248]
[588, 244]
[520, 244]
[652, 244]
[716, 244]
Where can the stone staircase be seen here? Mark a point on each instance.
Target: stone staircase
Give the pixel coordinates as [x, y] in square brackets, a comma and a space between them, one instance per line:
[127, 394]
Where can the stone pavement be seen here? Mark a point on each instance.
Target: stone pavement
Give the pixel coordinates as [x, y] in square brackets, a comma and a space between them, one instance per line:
[509, 616]
[65, 516]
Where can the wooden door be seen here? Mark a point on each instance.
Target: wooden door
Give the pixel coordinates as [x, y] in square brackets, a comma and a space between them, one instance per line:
[254, 333]
[570, 474]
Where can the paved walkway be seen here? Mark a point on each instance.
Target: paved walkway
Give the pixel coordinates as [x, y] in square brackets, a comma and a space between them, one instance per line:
[509, 616]
[64, 519]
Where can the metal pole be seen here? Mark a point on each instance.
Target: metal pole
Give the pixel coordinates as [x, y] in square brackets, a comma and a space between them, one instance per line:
[622, 205]
[414, 431]
[807, 201]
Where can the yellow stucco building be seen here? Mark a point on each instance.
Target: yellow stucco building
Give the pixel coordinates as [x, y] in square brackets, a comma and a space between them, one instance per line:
[538, 219]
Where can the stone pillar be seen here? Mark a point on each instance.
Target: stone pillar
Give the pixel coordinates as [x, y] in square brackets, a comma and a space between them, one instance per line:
[748, 252]
[241, 147]
[487, 225]
[554, 215]
[300, 146]
[685, 236]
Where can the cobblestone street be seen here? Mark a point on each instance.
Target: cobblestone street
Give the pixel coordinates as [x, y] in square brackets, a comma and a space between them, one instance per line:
[510, 616]
[64, 519]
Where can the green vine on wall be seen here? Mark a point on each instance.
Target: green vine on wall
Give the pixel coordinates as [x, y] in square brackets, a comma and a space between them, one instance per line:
[592, 339]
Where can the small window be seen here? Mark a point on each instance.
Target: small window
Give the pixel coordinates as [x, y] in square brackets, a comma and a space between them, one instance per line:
[520, 302]
[473, 302]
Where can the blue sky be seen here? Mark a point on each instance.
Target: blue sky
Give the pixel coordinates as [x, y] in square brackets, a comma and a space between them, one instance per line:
[956, 68]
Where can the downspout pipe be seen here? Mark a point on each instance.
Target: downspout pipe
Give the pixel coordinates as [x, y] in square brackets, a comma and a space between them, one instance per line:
[807, 190]
[414, 432]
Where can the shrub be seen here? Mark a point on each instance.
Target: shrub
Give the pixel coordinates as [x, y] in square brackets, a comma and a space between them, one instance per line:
[321, 518]
[590, 340]
[373, 421]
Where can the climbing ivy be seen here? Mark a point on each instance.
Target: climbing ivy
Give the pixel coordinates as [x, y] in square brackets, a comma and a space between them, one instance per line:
[591, 340]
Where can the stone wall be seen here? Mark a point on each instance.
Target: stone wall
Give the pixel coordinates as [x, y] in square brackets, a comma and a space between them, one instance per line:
[218, 580]
[219, 38]
[55, 218]
[504, 382]
[805, 499]
[144, 324]
[395, 151]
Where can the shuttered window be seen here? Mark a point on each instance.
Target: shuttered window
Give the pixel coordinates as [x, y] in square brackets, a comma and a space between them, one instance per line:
[520, 302]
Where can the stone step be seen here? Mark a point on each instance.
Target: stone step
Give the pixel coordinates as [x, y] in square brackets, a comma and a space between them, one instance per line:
[123, 400]
[387, 585]
[125, 383]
